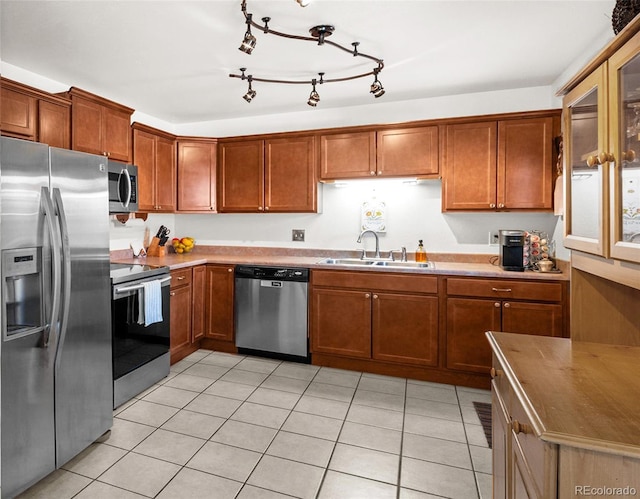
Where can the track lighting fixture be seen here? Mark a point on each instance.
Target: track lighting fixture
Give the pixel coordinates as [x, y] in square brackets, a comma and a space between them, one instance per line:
[376, 87]
[249, 41]
[319, 35]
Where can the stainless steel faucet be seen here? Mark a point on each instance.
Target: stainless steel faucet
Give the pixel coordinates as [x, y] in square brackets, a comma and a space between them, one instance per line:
[377, 255]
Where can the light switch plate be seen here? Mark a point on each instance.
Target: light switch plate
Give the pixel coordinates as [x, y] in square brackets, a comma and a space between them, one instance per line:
[297, 235]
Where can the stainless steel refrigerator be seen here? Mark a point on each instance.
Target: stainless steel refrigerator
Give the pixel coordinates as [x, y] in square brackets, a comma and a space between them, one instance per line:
[55, 353]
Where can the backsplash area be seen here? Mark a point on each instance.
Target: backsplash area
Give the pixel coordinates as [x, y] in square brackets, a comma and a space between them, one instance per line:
[412, 211]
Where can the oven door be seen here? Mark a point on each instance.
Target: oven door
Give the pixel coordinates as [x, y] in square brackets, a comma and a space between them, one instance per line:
[135, 345]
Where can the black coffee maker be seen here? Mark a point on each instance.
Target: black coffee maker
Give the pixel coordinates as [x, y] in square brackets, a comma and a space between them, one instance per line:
[512, 249]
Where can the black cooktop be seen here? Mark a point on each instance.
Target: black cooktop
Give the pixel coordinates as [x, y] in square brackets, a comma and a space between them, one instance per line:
[125, 272]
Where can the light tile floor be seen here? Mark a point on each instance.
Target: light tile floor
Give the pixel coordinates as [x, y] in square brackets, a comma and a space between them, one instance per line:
[232, 426]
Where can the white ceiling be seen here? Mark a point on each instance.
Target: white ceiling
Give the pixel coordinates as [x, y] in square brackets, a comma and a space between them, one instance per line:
[171, 59]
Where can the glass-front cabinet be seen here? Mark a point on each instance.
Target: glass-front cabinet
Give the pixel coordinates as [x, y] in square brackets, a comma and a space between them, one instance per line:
[624, 95]
[586, 173]
[602, 158]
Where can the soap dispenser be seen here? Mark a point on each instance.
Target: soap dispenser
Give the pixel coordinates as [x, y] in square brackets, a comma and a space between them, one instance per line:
[421, 254]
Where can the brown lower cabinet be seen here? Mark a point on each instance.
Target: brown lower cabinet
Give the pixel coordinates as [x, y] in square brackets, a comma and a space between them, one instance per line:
[201, 309]
[389, 318]
[426, 326]
[475, 306]
[199, 291]
[181, 316]
[219, 304]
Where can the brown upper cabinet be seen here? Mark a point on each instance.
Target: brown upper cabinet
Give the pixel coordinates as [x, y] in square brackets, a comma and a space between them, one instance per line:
[154, 151]
[31, 114]
[271, 175]
[100, 126]
[403, 152]
[197, 175]
[500, 164]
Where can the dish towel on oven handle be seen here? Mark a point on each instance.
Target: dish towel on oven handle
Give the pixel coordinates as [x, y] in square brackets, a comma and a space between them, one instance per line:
[150, 303]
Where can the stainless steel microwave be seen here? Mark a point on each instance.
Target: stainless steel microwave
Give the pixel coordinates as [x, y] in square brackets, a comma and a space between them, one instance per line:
[123, 187]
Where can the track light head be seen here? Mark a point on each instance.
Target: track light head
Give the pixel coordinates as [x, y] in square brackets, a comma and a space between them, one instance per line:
[376, 87]
[251, 93]
[249, 41]
[314, 97]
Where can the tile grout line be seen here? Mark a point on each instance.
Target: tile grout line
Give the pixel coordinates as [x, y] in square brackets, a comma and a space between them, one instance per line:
[335, 444]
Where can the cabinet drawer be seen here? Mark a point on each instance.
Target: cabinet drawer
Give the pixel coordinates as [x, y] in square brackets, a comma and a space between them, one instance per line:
[180, 278]
[540, 458]
[505, 289]
[375, 280]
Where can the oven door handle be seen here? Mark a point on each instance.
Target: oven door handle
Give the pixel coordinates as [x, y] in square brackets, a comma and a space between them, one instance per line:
[125, 289]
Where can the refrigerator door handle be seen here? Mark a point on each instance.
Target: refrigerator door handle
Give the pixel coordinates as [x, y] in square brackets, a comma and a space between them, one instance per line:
[66, 270]
[127, 178]
[49, 214]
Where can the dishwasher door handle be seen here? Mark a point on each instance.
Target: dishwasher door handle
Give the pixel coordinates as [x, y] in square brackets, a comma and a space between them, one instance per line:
[271, 284]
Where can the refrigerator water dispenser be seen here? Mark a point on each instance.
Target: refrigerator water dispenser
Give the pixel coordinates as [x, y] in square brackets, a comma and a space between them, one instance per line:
[22, 301]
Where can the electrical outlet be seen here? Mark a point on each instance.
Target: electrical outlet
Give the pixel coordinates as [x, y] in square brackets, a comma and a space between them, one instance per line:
[297, 235]
[493, 238]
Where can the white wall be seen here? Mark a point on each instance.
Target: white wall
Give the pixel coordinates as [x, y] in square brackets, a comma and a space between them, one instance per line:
[413, 212]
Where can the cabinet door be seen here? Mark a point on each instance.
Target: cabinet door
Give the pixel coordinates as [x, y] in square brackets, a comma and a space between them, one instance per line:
[241, 176]
[144, 156]
[624, 109]
[180, 318]
[467, 321]
[18, 114]
[117, 134]
[54, 124]
[542, 319]
[196, 176]
[469, 166]
[405, 328]
[347, 155]
[587, 180]
[199, 289]
[290, 178]
[165, 174]
[219, 302]
[408, 152]
[341, 322]
[87, 130]
[525, 164]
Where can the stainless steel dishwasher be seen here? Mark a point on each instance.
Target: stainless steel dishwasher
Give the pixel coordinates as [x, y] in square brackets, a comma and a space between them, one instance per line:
[271, 310]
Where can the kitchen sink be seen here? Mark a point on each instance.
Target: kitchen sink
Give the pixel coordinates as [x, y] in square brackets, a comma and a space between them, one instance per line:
[377, 263]
[346, 261]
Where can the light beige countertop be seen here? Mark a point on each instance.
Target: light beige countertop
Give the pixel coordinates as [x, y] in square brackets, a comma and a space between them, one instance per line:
[445, 264]
[576, 393]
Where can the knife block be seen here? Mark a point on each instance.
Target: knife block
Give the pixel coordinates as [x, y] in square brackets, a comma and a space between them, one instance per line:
[155, 249]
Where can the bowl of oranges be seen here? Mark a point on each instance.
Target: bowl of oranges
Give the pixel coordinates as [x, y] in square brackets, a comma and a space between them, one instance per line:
[183, 245]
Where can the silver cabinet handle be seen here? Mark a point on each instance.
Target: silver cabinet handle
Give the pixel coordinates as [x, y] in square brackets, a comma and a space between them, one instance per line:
[501, 290]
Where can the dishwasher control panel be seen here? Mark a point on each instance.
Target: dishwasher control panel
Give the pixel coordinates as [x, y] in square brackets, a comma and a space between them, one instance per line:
[273, 273]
